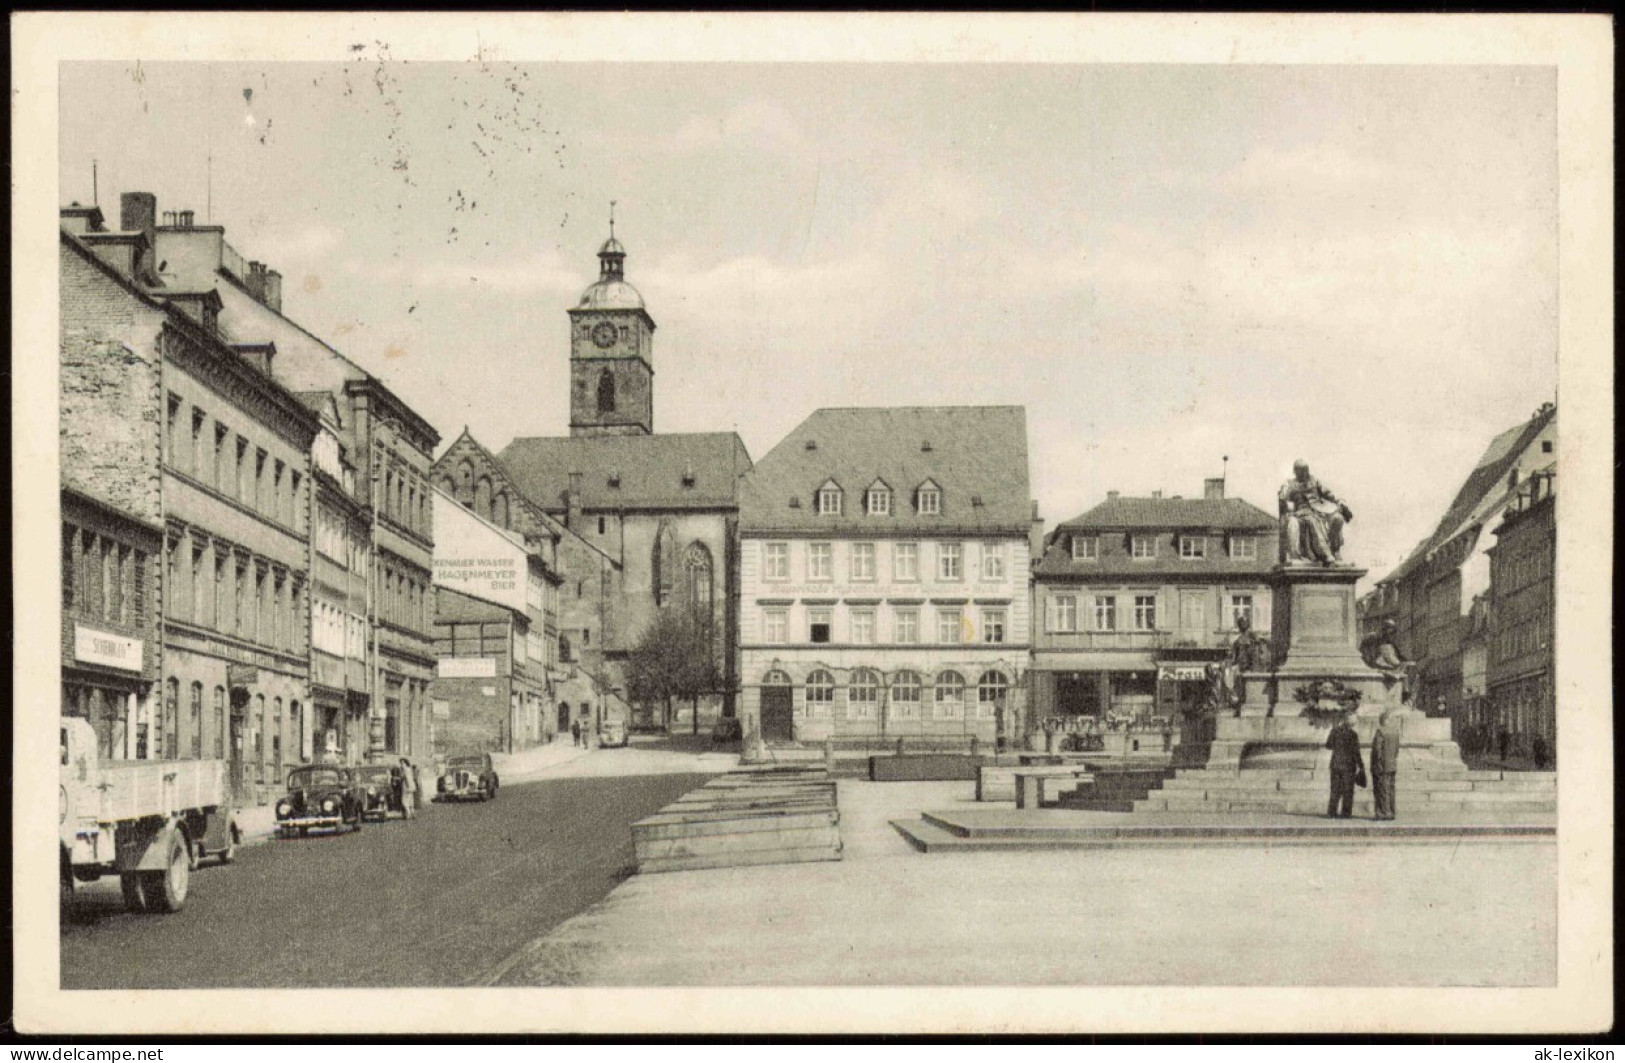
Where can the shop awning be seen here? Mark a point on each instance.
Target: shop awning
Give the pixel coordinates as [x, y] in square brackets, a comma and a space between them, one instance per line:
[1095, 661]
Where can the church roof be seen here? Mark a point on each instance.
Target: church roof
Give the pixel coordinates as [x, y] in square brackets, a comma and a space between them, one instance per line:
[975, 455]
[664, 471]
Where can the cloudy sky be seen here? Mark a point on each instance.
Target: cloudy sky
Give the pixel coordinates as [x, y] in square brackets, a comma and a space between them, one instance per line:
[1164, 264]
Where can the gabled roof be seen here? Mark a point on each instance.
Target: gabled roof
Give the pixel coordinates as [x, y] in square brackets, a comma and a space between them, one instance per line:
[1171, 514]
[977, 455]
[649, 469]
[1485, 484]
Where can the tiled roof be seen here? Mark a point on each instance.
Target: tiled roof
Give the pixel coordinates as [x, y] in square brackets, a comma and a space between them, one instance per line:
[650, 470]
[1486, 479]
[1222, 514]
[974, 454]
[1057, 561]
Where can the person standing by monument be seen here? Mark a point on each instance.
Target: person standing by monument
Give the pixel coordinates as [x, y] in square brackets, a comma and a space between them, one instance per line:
[1347, 768]
[1384, 763]
[1312, 519]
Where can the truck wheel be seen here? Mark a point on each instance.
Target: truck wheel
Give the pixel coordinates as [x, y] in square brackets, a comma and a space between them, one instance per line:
[130, 882]
[166, 889]
[229, 853]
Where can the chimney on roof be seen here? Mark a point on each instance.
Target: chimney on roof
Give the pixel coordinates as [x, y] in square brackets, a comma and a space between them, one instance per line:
[572, 502]
[256, 280]
[1156, 494]
[183, 218]
[1110, 495]
[138, 212]
[273, 290]
[1213, 487]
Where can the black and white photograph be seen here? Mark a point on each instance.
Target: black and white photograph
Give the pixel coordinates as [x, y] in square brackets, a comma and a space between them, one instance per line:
[758, 504]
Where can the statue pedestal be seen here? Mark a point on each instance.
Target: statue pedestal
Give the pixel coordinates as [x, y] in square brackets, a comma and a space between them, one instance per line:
[1316, 640]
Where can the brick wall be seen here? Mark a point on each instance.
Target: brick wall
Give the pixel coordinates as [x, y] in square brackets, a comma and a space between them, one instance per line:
[111, 418]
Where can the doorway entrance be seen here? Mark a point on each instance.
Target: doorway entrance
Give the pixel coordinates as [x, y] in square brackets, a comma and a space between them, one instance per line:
[777, 714]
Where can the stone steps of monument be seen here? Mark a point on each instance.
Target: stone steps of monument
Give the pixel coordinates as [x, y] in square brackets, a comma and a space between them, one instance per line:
[1115, 791]
[1363, 803]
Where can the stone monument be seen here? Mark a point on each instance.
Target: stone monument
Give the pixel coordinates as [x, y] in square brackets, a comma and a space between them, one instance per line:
[1284, 705]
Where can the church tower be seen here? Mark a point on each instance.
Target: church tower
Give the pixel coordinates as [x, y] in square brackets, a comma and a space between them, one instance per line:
[611, 353]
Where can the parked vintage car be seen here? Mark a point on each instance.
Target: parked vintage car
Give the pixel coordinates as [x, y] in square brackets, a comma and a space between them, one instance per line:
[470, 775]
[612, 733]
[381, 789]
[320, 797]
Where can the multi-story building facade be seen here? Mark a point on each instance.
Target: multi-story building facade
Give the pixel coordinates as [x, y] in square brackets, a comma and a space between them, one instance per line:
[110, 635]
[1430, 595]
[884, 556]
[663, 508]
[496, 626]
[573, 585]
[1522, 648]
[197, 422]
[340, 557]
[1138, 595]
[389, 446]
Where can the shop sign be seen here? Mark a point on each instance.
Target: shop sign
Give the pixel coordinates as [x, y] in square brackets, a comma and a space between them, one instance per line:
[467, 668]
[242, 675]
[93, 646]
[1184, 673]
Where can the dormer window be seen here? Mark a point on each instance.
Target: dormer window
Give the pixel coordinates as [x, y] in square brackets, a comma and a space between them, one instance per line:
[1142, 547]
[1243, 548]
[829, 500]
[1192, 547]
[1085, 548]
[929, 499]
[878, 500]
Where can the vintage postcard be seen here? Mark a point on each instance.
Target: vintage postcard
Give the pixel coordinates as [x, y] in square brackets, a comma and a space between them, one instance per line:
[755, 523]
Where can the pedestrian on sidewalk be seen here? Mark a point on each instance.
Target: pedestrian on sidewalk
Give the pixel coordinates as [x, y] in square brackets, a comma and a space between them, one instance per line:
[409, 788]
[1384, 763]
[1347, 768]
[1501, 740]
[575, 732]
[1543, 753]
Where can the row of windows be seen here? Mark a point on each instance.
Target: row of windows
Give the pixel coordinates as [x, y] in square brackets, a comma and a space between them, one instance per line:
[472, 640]
[862, 627]
[262, 735]
[877, 499]
[1189, 547]
[903, 693]
[1529, 636]
[336, 631]
[1523, 569]
[406, 497]
[404, 601]
[1101, 611]
[216, 585]
[862, 562]
[103, 579]
[235, 467]
[336, 540]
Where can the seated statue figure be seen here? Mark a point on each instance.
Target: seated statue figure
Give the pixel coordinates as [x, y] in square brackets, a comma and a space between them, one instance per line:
[1312, 519]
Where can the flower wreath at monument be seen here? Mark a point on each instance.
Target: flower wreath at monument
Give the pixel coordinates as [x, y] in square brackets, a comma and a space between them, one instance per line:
[1324, 700]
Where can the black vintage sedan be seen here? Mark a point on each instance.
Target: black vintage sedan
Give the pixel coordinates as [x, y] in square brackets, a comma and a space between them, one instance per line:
[380, 789]
[320, 797]
[471, 775]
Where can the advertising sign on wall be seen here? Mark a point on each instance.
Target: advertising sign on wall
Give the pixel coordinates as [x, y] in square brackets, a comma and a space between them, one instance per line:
[477, 558]
[92, 646]
[467, 668]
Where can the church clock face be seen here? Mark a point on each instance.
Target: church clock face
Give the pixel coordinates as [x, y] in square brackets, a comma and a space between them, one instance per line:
[604, 334]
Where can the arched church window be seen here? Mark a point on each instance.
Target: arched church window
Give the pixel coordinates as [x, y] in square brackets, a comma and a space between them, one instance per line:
[697, 566]
[663, 570]
[482, 498]
[499, 509]
[606, 391]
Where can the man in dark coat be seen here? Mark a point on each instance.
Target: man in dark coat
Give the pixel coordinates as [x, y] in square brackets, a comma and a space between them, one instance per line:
[1346, 768]
[1384, 764]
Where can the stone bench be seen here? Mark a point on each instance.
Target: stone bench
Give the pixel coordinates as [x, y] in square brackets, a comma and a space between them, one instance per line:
[997, 782]
[1036, 785]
